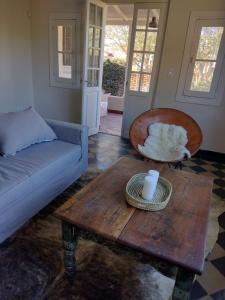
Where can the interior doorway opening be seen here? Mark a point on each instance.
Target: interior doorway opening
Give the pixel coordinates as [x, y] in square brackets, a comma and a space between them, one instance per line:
[116, 48]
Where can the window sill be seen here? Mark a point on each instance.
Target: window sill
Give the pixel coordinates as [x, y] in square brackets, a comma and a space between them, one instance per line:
[63, 84]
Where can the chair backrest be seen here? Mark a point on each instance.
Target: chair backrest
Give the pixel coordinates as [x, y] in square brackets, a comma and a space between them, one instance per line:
[139, 128]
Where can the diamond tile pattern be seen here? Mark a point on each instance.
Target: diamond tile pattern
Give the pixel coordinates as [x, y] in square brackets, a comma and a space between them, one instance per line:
[220, 295]
[197, 291]
[220, 192]
[221, 241]
[219, 173]
[198, 169]
[211, 284]
[198, 162]
[218, 166]
[220, 182]
[219, 263]
[222, 220]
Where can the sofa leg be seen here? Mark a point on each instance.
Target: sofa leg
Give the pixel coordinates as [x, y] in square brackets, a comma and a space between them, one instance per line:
[69, 244]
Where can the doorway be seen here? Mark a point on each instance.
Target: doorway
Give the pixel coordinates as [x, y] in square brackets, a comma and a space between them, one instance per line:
[130, 62]
[116, 47]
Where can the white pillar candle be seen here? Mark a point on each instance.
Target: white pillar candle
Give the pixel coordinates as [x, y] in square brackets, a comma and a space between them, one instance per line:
[154, 174]
[150, 184]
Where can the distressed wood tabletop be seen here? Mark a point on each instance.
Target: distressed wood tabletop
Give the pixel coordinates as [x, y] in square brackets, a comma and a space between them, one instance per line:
[176, 234]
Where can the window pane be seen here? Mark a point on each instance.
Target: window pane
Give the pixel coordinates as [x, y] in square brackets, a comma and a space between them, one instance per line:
[209, 42]
[145, 83]
[97, 37]
[153, 21]
[151, 41]
[90, 36]
[65, 71]
[65, 38]
[137, 61]
[134, 81]
[90, 57]
[92, 14]
[148, 63]
[202, 76]
[142, 18]
[99, 16]
[96, 62]
[89, 83]
[67, 59]
[95, 77]
[139, 41]
[60, 38]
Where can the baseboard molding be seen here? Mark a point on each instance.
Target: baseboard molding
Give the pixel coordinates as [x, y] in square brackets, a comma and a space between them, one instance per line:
[210, 155]
[115, 111]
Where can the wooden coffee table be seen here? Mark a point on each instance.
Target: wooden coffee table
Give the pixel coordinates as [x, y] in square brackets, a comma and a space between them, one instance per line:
[175, 235]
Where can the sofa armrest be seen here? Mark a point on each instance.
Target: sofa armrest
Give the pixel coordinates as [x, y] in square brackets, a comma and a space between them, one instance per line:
[70, 132]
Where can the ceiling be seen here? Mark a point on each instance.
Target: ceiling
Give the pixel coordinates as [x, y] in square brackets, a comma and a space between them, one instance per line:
[119, 14]
[123, 14]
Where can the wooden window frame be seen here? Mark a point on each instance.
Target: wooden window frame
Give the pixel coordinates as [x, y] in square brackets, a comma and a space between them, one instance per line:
[216, 93]
[70, 20]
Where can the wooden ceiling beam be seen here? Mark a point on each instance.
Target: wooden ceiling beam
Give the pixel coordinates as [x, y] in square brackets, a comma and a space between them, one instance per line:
[120, 12]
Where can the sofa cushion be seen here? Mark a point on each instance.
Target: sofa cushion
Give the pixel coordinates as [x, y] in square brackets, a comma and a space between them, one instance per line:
[19, 130]
[33, 160]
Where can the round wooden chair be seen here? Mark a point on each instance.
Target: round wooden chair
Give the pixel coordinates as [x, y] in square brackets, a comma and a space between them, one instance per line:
[139, 128]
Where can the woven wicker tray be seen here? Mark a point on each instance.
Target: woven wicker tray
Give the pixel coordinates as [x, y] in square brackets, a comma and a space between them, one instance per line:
[161, 196]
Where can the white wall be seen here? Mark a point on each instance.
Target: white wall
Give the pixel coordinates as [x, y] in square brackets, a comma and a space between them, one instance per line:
[210, 118]
[51, 102]
[16, 91]
[116, 103]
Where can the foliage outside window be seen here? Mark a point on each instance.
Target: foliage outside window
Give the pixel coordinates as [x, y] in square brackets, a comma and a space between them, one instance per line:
[113, 78]
[206, 57]
[115, 59]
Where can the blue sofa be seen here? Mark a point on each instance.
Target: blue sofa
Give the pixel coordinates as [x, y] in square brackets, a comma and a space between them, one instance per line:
[35, 176]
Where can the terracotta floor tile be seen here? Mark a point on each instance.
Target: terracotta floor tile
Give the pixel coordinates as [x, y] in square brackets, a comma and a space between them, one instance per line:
[111, 124]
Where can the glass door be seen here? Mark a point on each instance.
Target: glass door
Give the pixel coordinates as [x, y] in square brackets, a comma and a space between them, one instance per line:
[146, 40]
[144, 49]
[94, 44]
[93, 64]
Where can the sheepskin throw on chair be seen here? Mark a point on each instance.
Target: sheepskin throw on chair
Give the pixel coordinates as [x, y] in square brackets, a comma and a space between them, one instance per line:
[165, 143]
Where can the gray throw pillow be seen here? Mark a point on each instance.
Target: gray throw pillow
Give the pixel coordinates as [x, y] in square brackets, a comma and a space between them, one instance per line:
[19, 130]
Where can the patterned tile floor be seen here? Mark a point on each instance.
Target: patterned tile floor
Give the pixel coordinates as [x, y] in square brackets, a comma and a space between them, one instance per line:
[105, 149]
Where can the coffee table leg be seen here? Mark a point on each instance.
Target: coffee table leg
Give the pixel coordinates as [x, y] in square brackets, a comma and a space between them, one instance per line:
[183, 285]
[69, 244]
